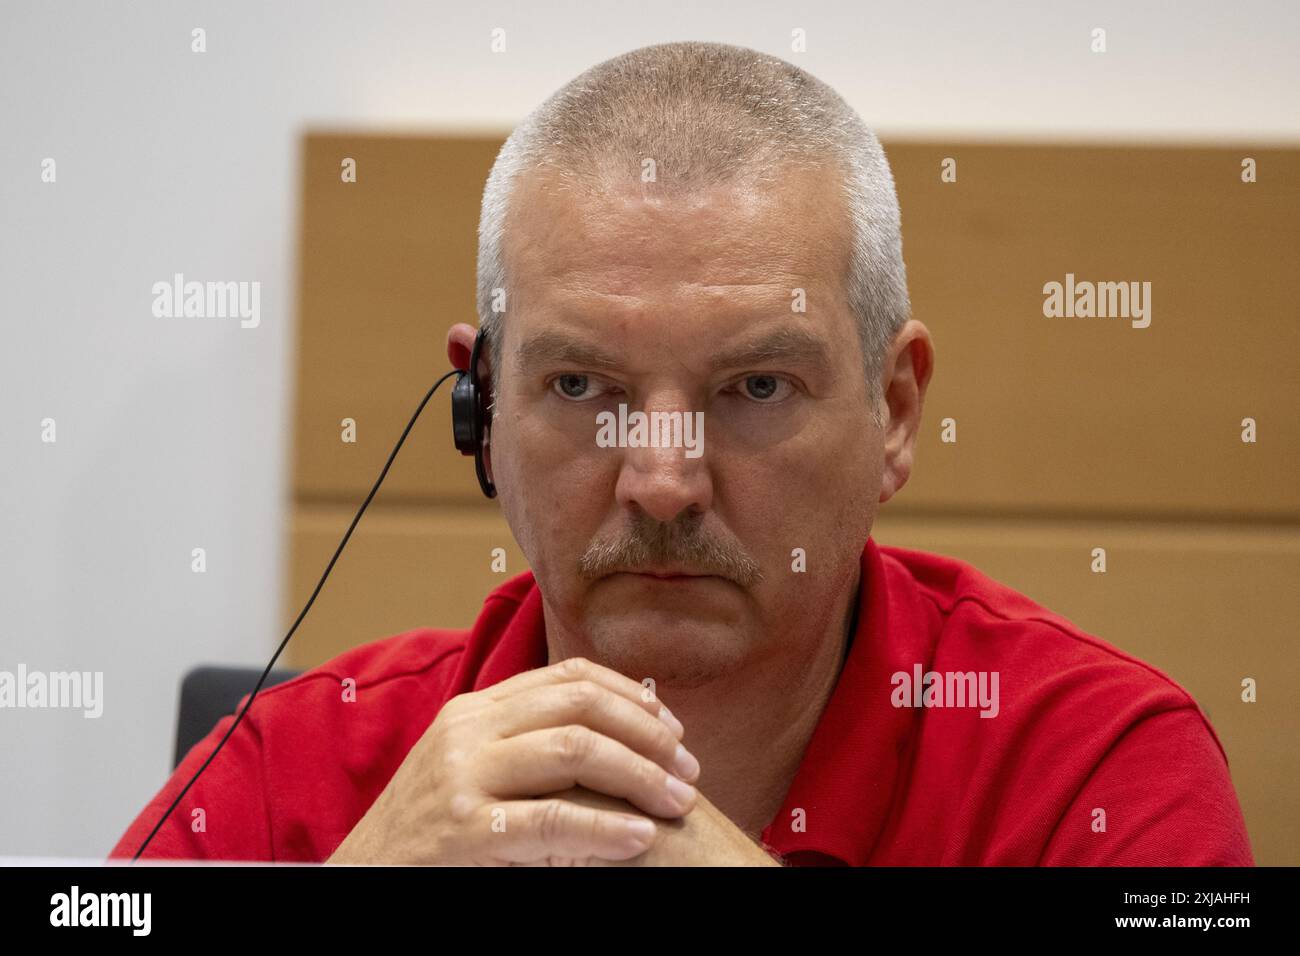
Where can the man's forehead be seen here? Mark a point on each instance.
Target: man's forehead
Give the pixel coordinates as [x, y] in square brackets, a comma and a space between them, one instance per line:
[792, 222]
[759, 268]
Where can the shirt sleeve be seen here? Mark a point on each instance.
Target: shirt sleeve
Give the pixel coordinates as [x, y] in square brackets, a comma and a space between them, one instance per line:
[223, 816]
[1167, 800]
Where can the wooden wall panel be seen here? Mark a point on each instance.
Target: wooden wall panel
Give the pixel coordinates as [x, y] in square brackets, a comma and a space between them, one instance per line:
[1079, 415]
[387, 267]
[404, 568]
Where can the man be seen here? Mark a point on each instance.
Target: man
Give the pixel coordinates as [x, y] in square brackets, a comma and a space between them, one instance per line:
[703, 231]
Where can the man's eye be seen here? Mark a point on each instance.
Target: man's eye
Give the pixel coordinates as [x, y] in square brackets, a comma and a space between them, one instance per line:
[571, 385]
[762, 388]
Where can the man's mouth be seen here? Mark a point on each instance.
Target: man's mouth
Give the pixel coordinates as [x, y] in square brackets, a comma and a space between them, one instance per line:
[668, 575]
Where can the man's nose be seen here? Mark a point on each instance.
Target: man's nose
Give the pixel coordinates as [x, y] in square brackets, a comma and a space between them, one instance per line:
[665, 481]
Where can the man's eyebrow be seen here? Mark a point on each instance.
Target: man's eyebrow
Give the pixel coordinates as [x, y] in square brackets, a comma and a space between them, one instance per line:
[552, 348]
[788, 344]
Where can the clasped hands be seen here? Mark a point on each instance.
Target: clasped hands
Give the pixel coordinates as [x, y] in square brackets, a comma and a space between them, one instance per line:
[572, 764]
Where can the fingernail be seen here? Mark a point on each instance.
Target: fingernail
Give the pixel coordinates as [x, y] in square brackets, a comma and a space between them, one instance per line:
[681, 792]
[667, 717]
[684, 764]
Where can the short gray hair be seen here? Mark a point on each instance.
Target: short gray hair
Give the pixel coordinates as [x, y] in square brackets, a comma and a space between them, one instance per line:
[708, 112]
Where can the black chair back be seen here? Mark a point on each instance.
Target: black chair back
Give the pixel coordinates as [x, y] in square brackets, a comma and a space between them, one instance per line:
[210, 692]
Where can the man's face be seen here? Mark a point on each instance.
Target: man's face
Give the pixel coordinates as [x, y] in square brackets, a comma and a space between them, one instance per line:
[684, 304]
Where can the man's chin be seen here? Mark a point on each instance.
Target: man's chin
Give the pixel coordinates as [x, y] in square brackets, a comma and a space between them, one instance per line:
[672, 645]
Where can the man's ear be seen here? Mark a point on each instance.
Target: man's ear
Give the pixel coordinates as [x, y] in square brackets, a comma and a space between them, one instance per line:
[460, 344]
[905, 377]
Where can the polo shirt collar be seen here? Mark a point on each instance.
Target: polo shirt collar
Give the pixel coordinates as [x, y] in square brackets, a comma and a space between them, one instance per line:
[521, 647]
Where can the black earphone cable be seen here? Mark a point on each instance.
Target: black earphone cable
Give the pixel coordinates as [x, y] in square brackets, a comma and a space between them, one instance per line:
[307, 607]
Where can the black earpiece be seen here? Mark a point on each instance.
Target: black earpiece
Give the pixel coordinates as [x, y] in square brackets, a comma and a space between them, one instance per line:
[471, 416]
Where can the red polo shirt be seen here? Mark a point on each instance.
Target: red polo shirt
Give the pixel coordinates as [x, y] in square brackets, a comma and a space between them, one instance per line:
[1092, 758]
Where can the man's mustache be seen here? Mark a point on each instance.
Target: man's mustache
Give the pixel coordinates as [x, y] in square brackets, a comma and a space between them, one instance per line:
[682, 544]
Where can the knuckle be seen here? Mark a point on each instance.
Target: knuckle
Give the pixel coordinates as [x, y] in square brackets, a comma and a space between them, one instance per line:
[550, 821]
[583, 695]
[665, 741]
[462, 807]
[574, 668]
[574, 744]
[649, 774]
[595, 827]
[453, 758]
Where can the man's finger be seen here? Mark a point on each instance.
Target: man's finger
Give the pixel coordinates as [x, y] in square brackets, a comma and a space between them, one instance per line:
[531, 831]
[579, 668]
[557, 758]
[596, 706]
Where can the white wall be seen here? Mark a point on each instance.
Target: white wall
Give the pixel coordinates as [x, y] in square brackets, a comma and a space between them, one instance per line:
[172, 433]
